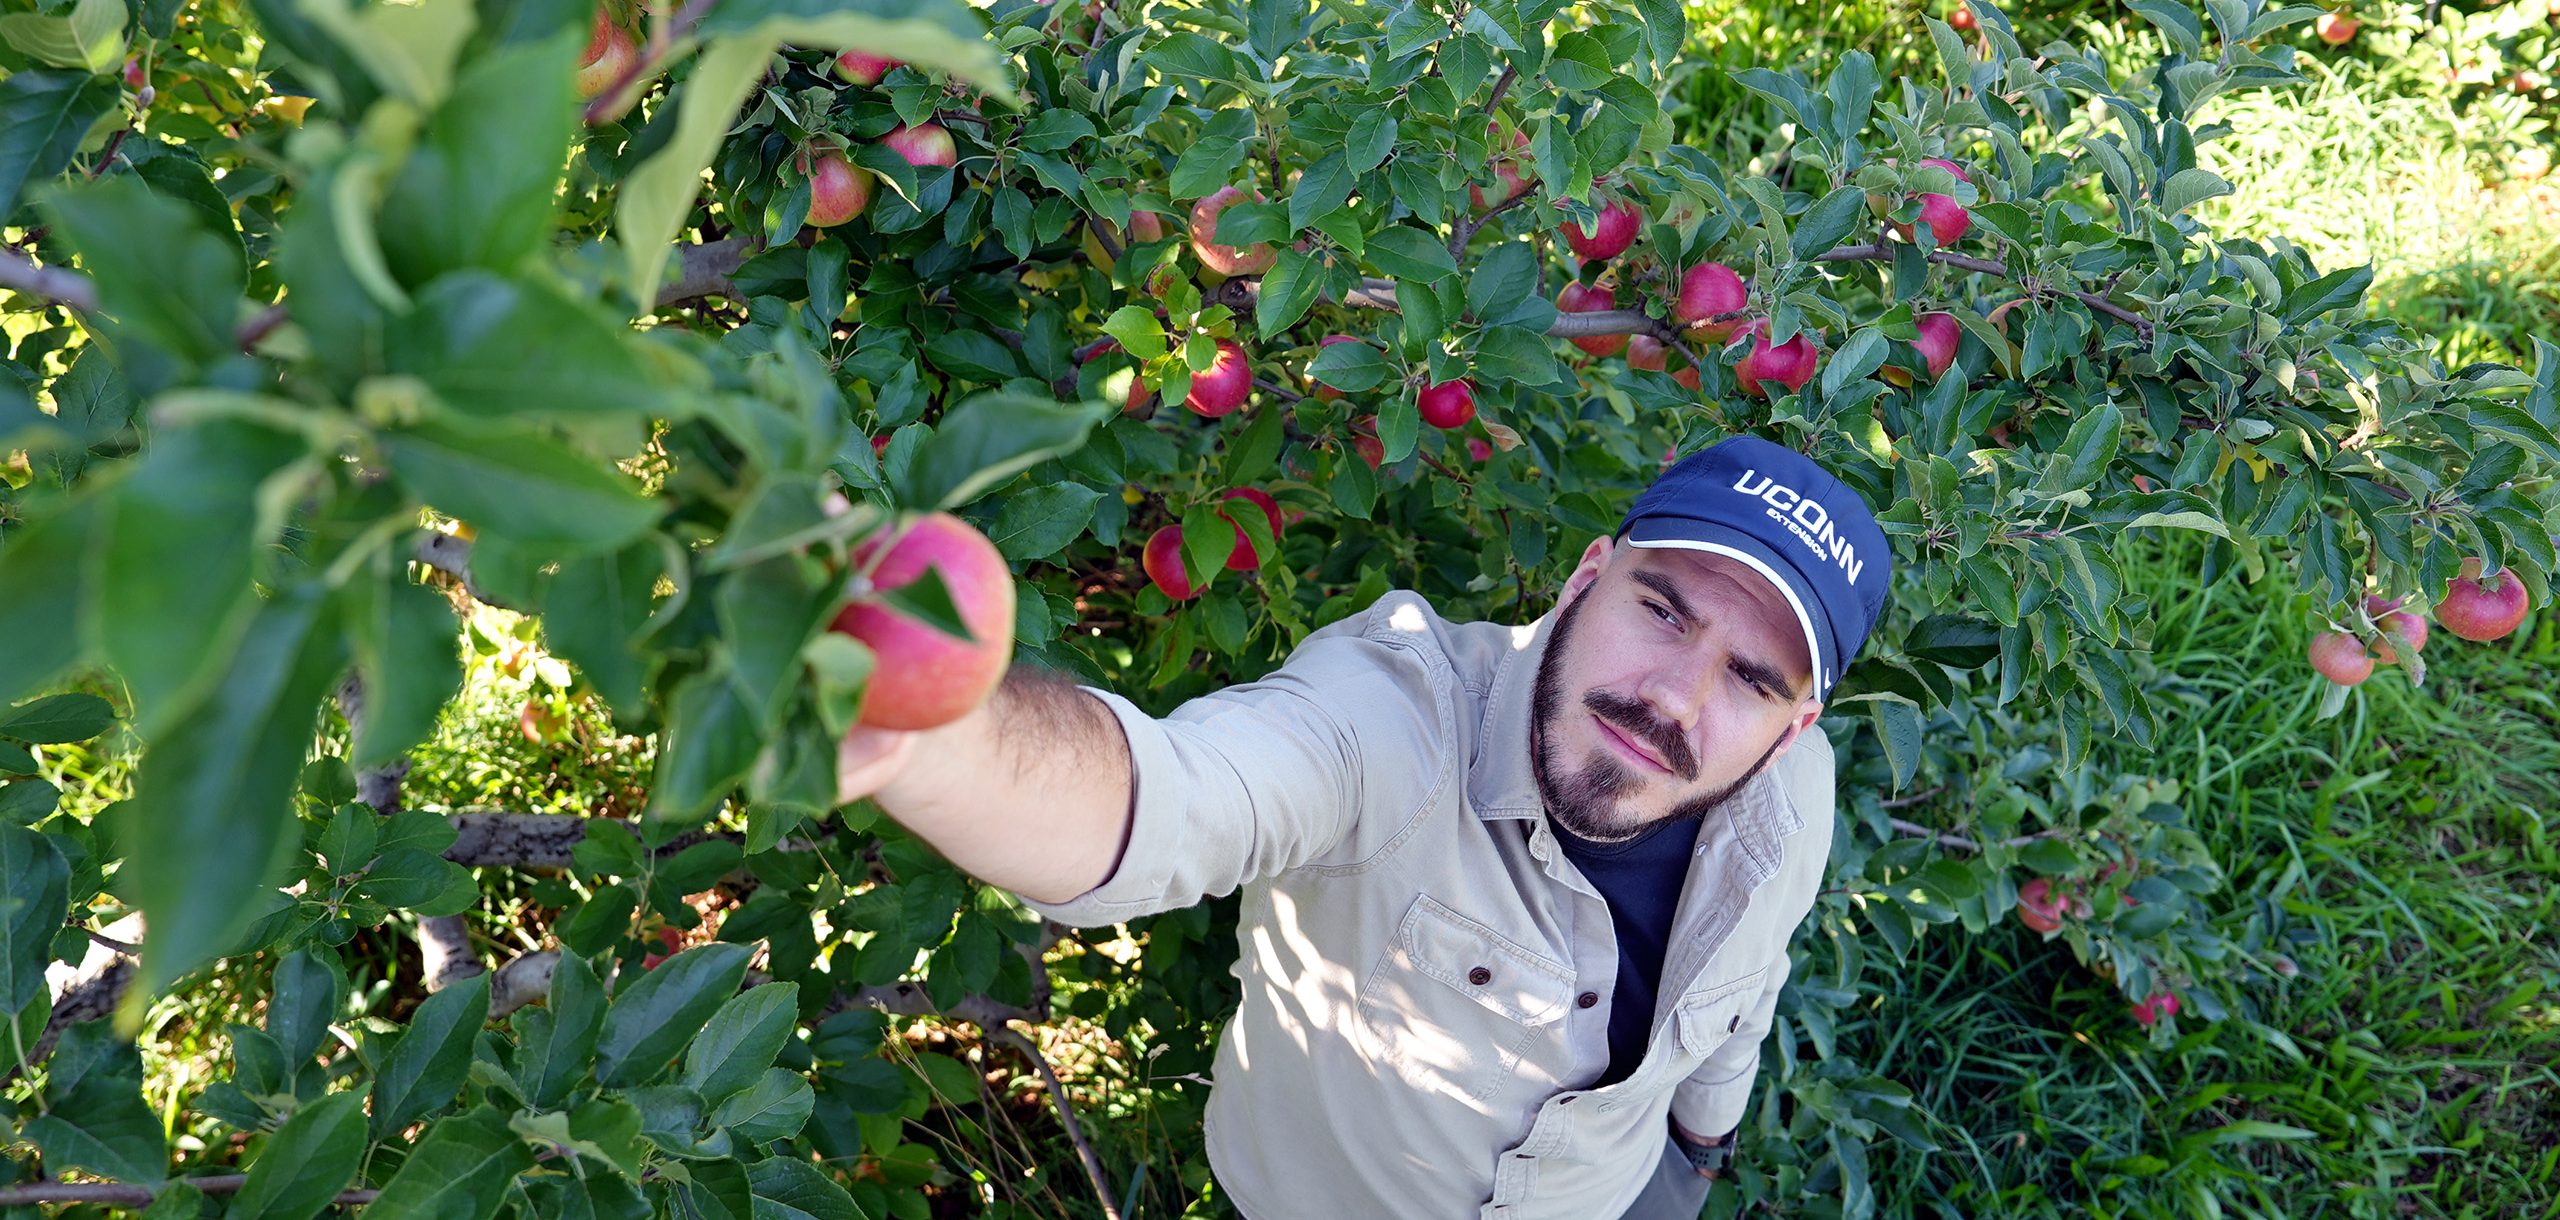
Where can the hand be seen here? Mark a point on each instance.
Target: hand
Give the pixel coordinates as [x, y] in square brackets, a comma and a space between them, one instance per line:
[870, 759]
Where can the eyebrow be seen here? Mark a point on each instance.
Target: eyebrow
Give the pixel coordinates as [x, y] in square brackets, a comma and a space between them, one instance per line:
[1761, 672]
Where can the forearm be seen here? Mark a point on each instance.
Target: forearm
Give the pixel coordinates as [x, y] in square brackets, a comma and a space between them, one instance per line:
[1029, 793]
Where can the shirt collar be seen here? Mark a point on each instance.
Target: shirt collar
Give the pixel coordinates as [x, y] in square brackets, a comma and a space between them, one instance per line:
[1501, 785]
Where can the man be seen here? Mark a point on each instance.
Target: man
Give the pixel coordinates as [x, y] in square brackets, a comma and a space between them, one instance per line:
[1517, 899]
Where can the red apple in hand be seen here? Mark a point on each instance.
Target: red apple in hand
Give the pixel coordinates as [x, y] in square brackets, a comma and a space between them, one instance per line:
[1590, 298]
[1706, 291]
[922, 678]
[2038, 906]
[1611, 233]
[1243, 558]
[1163, 562]
[1325, 392]
[1221, 387]
[923, 144]
[864, 69]
[1227, 260]
[2481, 610]
[1790, 364]
[1448, 404]
[2341, 658]
[838, 192]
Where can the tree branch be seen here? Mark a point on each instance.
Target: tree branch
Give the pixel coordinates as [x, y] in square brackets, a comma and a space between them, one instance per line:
[1501, 86]
[1879, 252]
[120, 1194]
[69, 288]
[1464, 231]
[1066, 1115]
[703, 270]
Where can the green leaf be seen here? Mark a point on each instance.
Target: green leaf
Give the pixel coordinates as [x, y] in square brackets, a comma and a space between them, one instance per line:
[1829, 221]
[37, 901]
[90, 37]
[480, 188]
[520, 484]
[405, 647]
[789, 1188]
[1863, 353]
[1350, 367]
[1185, 53]
[1506, 274]
[1523, 357]
[2206, 522]
[1250, 456]
[495, 348]
[1407, 253]
[464, 1169]
[44, 115]
[1041, 521]
[206, 830]
[741, 1041]
[988, 439]
[1373, 136]
[51, 580]
[972, 355]
[2085, 451]
[158, 271]
[776, 1105]
[1322, 187]
[306, 1162]
[1138, 331]
[1579, 63]
[653, 1018]
[577, 1007]
[710, 743]
[95, 1116]
[1287, 291]
[58, 719]
[2189, 187]
[2334, 291]
[595, 613]
[183, 537]
[427, 1066]
[303, 999]
[1953, 639]
[2052, 857]
[1897, 725]
[406, 879]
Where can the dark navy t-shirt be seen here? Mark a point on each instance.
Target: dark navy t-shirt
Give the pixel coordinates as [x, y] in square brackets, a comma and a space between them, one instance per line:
[1641, 880]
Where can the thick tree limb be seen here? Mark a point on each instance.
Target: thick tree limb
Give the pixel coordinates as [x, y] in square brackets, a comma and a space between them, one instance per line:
[119, 1194]
[21, 274]
[1955, 842]
[704, 270]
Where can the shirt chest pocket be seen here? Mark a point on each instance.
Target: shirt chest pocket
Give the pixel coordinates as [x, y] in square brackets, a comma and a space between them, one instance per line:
[1452, 1006]
[1715, 1014]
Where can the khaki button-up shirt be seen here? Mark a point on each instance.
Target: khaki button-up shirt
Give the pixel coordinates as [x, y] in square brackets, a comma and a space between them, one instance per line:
[1427, 978]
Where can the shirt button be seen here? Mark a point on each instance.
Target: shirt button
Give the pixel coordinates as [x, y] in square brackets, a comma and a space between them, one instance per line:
[1479, 976]
[1587, 999]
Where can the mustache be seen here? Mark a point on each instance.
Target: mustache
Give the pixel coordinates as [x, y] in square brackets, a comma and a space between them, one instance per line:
[1629, 716]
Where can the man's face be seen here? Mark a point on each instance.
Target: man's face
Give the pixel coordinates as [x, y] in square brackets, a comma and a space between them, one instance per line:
[1670, 679]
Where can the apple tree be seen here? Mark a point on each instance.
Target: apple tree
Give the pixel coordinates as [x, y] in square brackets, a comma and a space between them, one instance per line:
[1199, 325]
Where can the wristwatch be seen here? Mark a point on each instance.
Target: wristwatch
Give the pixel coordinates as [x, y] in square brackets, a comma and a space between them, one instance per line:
[1706, 1158]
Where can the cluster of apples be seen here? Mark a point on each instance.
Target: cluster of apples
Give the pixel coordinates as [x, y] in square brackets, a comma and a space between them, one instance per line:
[1163, 557]
[2474, 607]
[838, 189]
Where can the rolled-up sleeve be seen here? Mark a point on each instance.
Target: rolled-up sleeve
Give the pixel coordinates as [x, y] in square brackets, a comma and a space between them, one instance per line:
[1711, 1101]
[1252, 780]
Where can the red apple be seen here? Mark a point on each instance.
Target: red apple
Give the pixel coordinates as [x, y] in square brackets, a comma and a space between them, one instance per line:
[1790, 364]
[1707, 290]
[2341, 658]
[1506, 172]
[1222, 387]
[1612, 231]
[2397, 626]
[610, 53]
[922, 678]
[864, 69]
[2038, 906]
[135, 77]
[1163, 562]
[2147, 1012]
[1647, 352]
[1323, 391]
[1372, 450]
[2334, 28]
[1479, 450]
[1947, 220]
[2480, 611]
[1688, 377]
[1961, 20]
[1448, 404]
[1939, 333]
[1227, 260]
[923, 144]
[838, 192]
[1243, 558]
[1579, 297]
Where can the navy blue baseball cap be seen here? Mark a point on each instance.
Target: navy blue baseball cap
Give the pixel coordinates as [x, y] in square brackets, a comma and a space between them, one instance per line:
[1787, 518]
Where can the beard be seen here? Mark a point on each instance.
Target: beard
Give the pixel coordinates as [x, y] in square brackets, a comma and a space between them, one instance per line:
[1586, 800]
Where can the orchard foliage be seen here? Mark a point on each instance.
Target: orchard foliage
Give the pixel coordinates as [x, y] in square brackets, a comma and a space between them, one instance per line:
[328, 313]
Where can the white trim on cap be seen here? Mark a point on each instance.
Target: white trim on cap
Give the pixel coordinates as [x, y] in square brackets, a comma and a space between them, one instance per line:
[1812, 643]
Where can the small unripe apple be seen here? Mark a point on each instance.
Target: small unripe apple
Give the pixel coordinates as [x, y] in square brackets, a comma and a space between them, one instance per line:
[2399, 626]
[2038, 906]
[1163, 563]
[2479, 610]
[610, 53]
[1322, 391]
[2341, 658]
[838, 192]
[1579, 297]
[1939, 334]
[2334, 28]
[922, 678]
[1706, 291]
[1224, 385]
[864, 69]
[1611, 233]
[1227, 260]
[1448, 404]
[922, 145]
[1790, 364]
[1243, 558]
[1647, 352]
